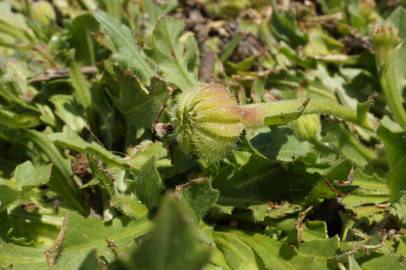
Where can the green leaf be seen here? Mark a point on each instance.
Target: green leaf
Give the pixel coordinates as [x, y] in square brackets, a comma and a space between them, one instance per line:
[21, 258]
[347, 144]
[267, 249]
[238, 254]
[384, 262]
[273, 210]
[169, 53]
[129, 205]
[399, 208]
[28, 175]
[104, 177]
[62, 178]
[128, 54]
[314, 230]
[13, 27]
[18, 120]
[285, 28]
[281, 145]
[173, 244]
[401, 250]
[7, 196]
[147, 184]
[369, 192]
[320, 248]
[69, 111]
[140, 154]
[83, 235]
[140, 108]
[321, 190]
[81, 88]
[395, 143]
[71, 140]
[81, 30]
[199, 196]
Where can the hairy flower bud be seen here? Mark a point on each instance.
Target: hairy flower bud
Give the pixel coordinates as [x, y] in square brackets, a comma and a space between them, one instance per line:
[385, 38]
[307, 126]
[43, 12]
[208, 121]
[385, 33]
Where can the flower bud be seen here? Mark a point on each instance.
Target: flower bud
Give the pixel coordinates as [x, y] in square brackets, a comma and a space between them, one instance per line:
[385, 33]
[208, 121]
[385, 38]
[307, 127]
[43, 12]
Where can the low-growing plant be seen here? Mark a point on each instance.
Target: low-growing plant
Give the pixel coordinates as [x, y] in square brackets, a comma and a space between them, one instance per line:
[202, 134]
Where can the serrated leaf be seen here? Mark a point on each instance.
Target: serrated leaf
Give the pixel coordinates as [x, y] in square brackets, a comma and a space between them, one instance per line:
[173, 244]
[273, 210]
[28, 175]
[199, 196]
[83, 235]
[147, 184]
[399, 208]
[168, 52]
[128, 54]
[140, 108]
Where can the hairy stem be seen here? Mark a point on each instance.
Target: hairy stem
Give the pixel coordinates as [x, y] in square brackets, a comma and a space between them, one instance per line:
[264, 113]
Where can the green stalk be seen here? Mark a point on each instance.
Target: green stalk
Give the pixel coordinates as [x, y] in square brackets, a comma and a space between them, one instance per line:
[389, 84]
[287, 110]
[386, 41]
[40, 219]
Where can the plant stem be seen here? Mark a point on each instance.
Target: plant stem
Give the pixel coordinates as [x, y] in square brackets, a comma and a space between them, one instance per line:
[389, 84]
[257, 114]
[386, 43]
[42, 219]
